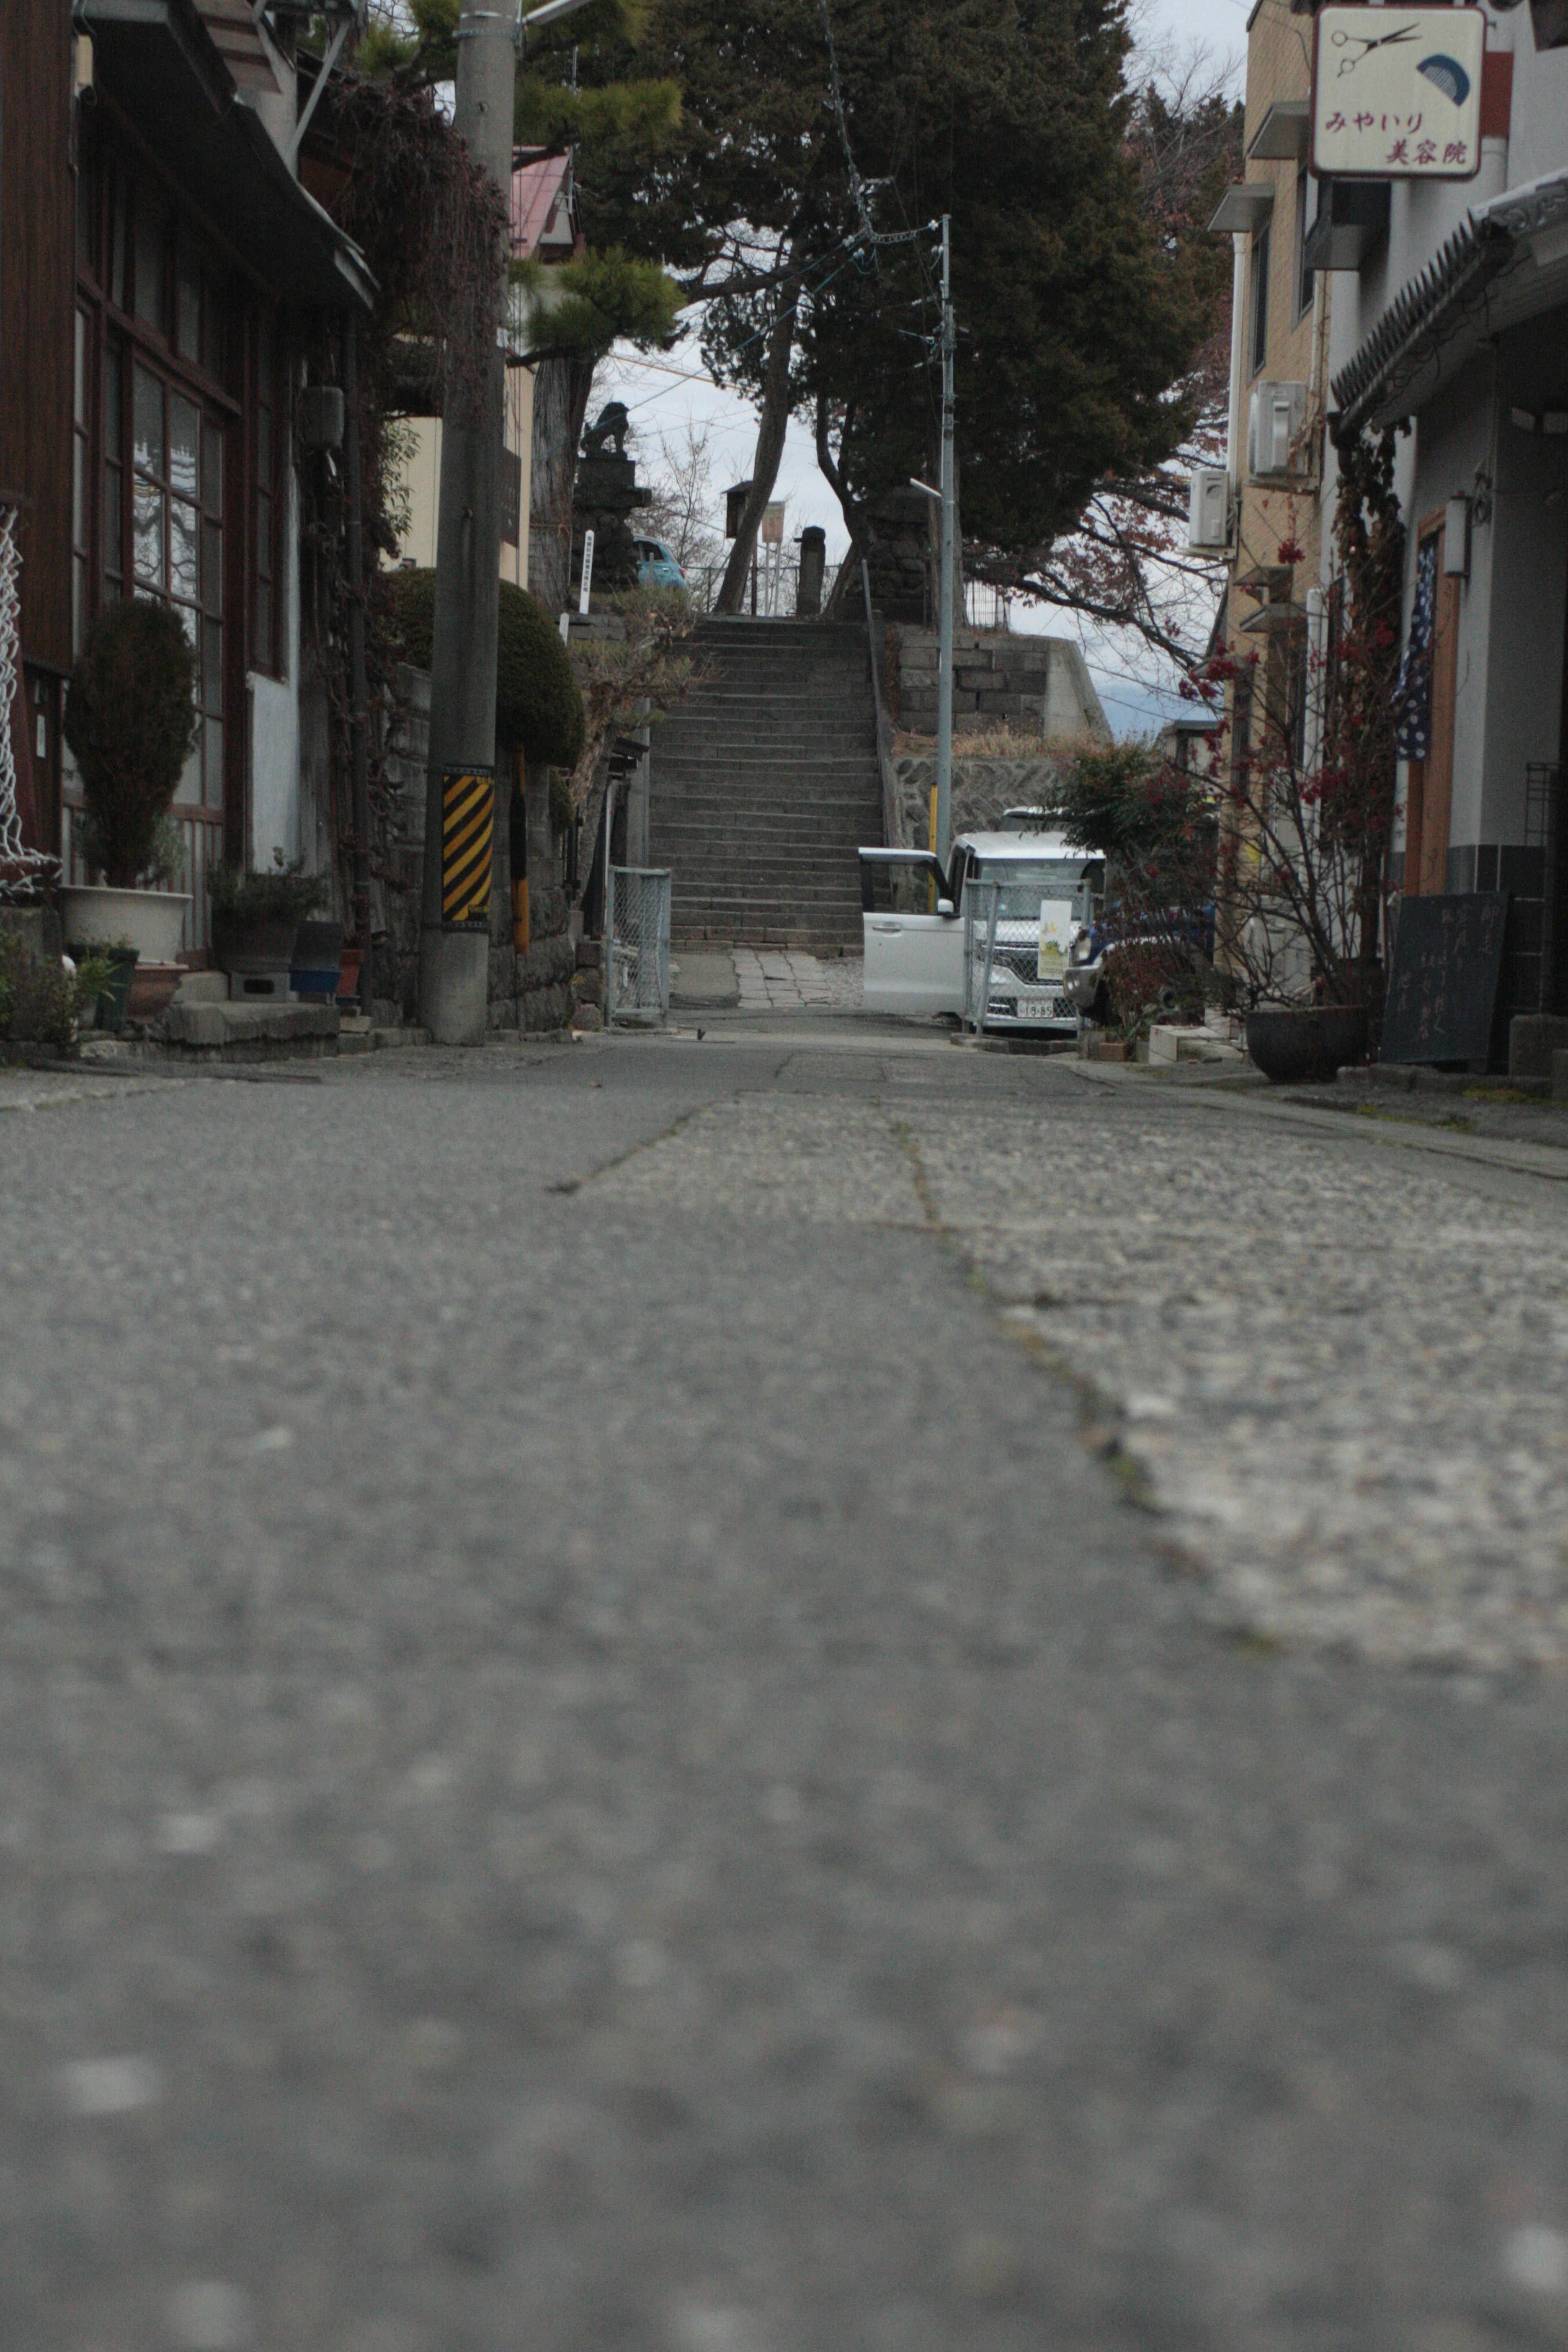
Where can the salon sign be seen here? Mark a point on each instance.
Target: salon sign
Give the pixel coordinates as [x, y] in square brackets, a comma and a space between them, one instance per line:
[1396, 93]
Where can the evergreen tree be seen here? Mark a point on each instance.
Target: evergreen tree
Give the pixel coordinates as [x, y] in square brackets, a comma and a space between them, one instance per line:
[623, 118]
[807, 130]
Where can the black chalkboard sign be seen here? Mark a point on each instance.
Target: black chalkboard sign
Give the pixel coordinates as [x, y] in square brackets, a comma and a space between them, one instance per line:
[1442, 990]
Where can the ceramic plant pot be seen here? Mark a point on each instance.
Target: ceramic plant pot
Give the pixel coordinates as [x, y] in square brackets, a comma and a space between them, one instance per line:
[1294, 1044]
[151, 922]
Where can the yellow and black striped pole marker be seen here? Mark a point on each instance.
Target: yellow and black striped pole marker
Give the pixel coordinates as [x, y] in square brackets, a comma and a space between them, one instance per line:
[468, 833]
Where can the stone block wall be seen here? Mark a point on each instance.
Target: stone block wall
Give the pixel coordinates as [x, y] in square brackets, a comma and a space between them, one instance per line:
[528, 992]
[983, 791]
[1038, 686]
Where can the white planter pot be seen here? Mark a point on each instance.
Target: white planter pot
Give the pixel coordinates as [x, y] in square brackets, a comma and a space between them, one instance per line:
[149, 920]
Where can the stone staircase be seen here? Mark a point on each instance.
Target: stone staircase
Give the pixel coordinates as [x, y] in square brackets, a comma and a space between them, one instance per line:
[764, 783]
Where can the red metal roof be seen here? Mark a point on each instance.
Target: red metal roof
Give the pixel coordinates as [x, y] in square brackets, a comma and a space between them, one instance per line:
[541, 206]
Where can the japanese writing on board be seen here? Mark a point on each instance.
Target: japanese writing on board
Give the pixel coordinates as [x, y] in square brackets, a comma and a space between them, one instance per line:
[1397, 93]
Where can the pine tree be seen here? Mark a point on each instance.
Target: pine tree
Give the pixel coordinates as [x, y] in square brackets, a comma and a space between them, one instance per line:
[806, 128]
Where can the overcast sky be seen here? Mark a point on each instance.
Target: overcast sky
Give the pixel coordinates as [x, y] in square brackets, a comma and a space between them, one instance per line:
[668, 396]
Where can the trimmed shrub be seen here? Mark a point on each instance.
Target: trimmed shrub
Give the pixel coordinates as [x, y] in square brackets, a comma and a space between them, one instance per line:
[539, 710]
[130, 720]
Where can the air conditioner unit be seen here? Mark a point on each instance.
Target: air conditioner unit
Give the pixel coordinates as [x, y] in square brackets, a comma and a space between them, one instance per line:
[1276, 415]
[1208, 510]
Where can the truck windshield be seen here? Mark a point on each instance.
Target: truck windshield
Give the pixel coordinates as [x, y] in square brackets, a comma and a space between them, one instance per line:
[1024, 885]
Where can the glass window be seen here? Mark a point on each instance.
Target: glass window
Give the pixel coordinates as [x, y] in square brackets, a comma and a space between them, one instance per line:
[120, 247]
[212, 328]
[899, 886]
[147, 420]
[114, 521]
[177, 543]
[188, 303]
[1024, 887]
[212, 468]
[152, 262]
[1259, 298]
[81, 477]
[147, 534]
[1303, 222]
[184, 444]
[184, 551]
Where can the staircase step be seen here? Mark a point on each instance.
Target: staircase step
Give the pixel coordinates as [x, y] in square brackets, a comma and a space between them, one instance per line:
[764, 783]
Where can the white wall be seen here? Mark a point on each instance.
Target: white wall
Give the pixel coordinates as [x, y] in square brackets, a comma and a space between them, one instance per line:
[275, 723]
[422, 479]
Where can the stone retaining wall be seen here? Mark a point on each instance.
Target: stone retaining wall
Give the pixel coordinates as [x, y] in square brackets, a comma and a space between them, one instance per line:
[983, 790]
[528, 992]
[1040, 686]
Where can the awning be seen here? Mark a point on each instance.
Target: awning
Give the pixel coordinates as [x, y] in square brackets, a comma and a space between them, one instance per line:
[1245, 206]
[1506, 262]
[1281, 136]
[155, 59]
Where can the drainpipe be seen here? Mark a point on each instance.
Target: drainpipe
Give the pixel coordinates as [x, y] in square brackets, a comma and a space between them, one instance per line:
[1237, 356]
[1492, 177]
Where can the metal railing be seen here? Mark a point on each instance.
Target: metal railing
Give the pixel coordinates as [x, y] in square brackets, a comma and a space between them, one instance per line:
[776, 583]
[637, 945]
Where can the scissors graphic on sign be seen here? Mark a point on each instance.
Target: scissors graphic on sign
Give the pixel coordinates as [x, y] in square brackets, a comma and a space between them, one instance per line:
[1360, 41]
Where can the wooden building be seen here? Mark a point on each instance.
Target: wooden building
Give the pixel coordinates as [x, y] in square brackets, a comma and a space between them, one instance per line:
[158, 262]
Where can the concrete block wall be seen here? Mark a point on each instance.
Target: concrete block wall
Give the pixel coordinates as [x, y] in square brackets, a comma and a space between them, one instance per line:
[1038, 686]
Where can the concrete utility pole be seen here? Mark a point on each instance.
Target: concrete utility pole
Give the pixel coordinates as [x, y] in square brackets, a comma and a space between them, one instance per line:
[944, 590]
[459, 814]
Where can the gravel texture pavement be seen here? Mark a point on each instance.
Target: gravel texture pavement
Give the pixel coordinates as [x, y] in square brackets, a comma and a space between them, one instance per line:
[598, 1748]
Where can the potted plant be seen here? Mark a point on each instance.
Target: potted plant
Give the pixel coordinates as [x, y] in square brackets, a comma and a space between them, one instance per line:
[114, 996]
[131, 722]
[255, 915]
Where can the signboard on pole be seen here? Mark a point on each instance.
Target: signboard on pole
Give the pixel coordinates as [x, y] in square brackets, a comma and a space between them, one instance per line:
[1396, 93]
[587, 571]
[772, 532]
[467, 838]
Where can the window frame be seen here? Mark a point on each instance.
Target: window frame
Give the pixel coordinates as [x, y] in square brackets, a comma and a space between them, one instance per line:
[1257, 301]
[1306, 276]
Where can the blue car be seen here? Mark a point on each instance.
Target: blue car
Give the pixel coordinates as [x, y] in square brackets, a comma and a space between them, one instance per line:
[656, 566]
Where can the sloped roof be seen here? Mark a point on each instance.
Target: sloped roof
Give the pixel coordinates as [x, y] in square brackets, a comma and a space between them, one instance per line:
[234, 35]
[157, 61]
[544, 205]
[1477, 283]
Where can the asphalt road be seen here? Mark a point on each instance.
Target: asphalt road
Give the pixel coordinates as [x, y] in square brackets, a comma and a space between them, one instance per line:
[594, 1753]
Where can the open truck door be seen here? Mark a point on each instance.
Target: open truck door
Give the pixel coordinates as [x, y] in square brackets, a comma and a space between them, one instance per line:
[912, 933]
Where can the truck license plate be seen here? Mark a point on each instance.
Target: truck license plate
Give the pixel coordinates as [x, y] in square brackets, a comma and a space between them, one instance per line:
[1044, 1008]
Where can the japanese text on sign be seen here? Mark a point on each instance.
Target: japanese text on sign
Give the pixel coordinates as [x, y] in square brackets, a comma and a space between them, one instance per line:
[1397, 93]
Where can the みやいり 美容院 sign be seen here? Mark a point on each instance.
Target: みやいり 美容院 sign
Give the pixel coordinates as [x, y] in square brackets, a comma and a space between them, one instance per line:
[1396, 93]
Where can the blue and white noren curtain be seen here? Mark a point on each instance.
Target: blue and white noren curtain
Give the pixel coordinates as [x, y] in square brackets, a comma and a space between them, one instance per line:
[1413, 694]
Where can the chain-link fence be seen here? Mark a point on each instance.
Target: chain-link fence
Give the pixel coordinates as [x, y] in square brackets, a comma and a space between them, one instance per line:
[982, 909]
[636, 944]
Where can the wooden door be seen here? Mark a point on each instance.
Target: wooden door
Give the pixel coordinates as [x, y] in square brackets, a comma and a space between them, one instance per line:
[1430, 784]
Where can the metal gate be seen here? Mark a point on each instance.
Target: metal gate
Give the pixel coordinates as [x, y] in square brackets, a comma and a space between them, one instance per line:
[636, 944]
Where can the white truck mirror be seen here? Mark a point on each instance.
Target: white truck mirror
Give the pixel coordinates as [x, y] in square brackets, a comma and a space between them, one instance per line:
[944, 906]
